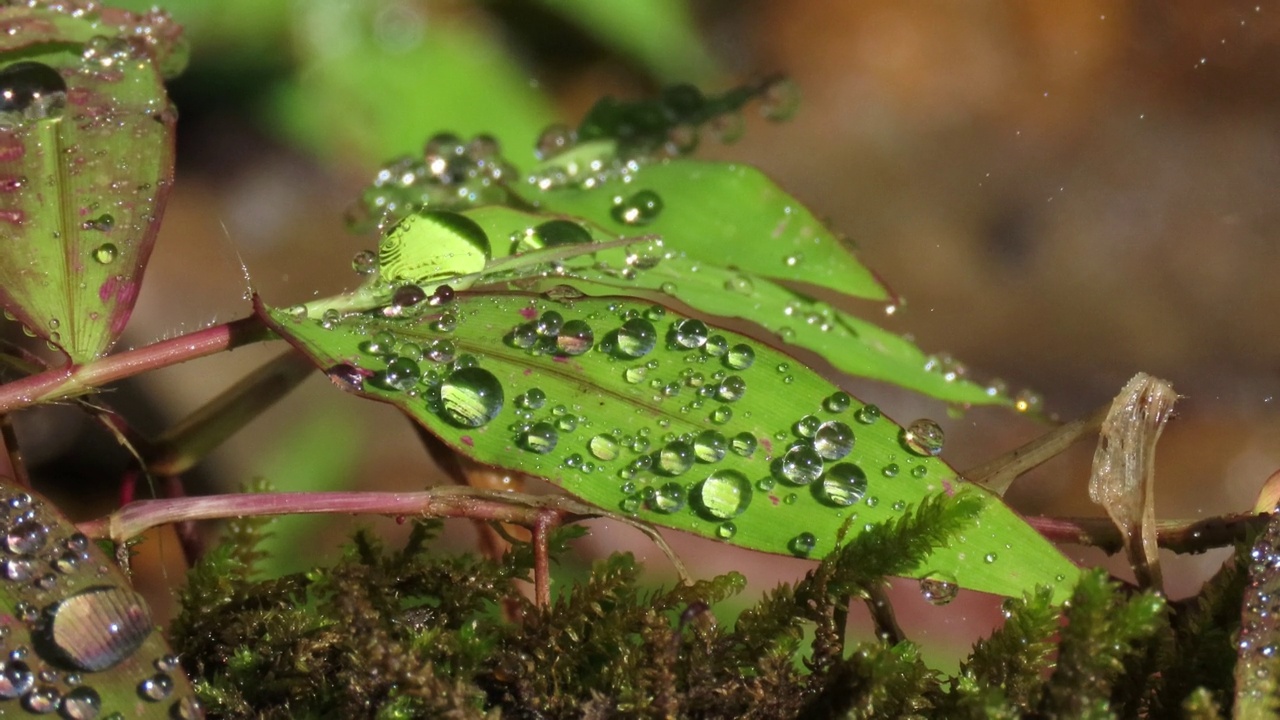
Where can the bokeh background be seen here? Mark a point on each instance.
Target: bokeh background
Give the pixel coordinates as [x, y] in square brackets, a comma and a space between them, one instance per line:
[1064, 194]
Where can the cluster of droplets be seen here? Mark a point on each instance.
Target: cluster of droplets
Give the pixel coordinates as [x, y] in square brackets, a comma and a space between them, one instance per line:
[451, 174]
[953, 370]
[72, 622]
[616, 137]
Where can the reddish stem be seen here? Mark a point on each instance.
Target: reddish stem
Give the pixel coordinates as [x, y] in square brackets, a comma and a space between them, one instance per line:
[1180, 536]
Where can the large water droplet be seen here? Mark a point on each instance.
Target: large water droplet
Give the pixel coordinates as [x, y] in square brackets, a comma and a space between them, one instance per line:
[82, 703]
[98, 628]
[471, 397]
[156, 688]
[42, 700]
[923, 437]
[636, 338]
[837, 402]
[532, 399]
[16, 679]
[639, 209]
[744, 444]
[740, 357]
[603, 447]
[843, 485]
[668, 498]
[26, 537]
[433, 244]
[401, 374]
[553, 233]
[676, 458]
[799, 466]
[833, 440]
[33, 90]
[710, 446]
[689, 334]
[105, 253]
[938, 588]
[731, 389]
[575, 338]
[541, 438]
[724, 495]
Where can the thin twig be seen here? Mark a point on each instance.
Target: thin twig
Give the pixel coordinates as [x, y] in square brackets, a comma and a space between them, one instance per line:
[996, 475]
[1180, 536]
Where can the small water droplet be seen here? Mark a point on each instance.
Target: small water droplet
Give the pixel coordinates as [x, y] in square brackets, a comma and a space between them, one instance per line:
[923, 437]
[799, 466]
[989, 558]
[833, 440]
[689, 334]
[740, 357]
[603, 447]
[722, 415]
[837, 402]
[82, 703]
[716, 346]
[98, 628]
[401, 374]
[553, 233]
[675, 458]
[532, 399]
[724, 495]
[843, 485]
[726, 530]
[364, 262]
[806, 426]
[668, 498]
[731, 389]
[744, 444]
[919, 471]
[541, 438]
[156, 688]
[471, 397]
[938, 588]
[105, 253]
[890, 470]
[710, 446]
[553, 140]
[739, 284]
[16, 678]
[867, 414]
[801, 545]
[641, 208]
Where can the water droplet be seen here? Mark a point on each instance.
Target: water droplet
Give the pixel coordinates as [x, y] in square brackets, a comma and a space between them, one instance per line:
[867, 414]
[635, 374]
[731, 389]
[724, 495]
[186, 708]
[740, 357]
[919, 471]
[636, 338]
[532, 399]
[833, 440]
[82, 703]
[801, 545]
[575, 338]
[744, 444]
[837, 402]
[710, 446]
[639, 209]
[938, 588]
[567, 423]
[32, 90]
[25, 538]
[923, 437]
[105, 253]
[549, 323]
[668, 498]
[554, 140]
[98, 628]
[603, 447]
[722, 415]
[382, 343]
[443, 295]
[890, 470]
[432, 244]
[630, 504]
[364, 262]
[41, 700]
[675, 458]
[471, 397]
[689, 334]
[794, 260]
[781, 99]
[541, 438]
[806, 426]
[16, 679]
[155, 688]
[16, 569]
[739, 284]
[401, 374]
[989, 558]
[553, 233]
[446, 322]
[799, 466]
[716, 346]
[407, 296]
[726, 530]
[842, 485]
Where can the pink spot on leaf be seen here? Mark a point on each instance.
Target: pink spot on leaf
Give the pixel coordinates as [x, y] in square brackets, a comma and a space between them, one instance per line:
[528, 313]
[466, 440]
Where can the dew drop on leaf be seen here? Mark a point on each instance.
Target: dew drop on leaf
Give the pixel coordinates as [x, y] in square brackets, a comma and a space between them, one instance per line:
[105, 253]
[938, 588]
[716, 346]
[16, 678]
[724, 495]
[668, 498]
[603, 447]
[549, 323]
[636, 338]
[726, 530]
[806, 426]
[731, 389]
[710, 446]
[471, 397]
[364, 262]
[675, 458]
[801, 545]
[541, 438]
[401, 374]
[155, 688]
[532, 399]
[740, 357]
[575, 338]
[98, 628]
[25, 538]
[833, 440]
[867, 414]
[689, 334]
[41, 700]
[744, 444]
[32, 89]
[837, 402]
[82, 703]
[550, 234]
[799, 466]
[843, 485]
[923, 437]
[890, 470]
[641, 208]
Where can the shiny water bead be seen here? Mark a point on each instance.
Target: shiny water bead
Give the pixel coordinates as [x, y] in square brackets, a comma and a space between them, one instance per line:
[635, 374]
[801, 545]
[16, 678]
[938, 588]
[710, 446]
[799, 466]
[740, 357]
[105, 253]
[407, 296]
[432, 244]
[540, 438]
[17, 569]
[549, 323]
[42, 700]
[156, 688]
[689, 334]
[98, 628]
[471, 397]
[668, 498]
[443, 295]
[445, 322]
[364, 262]
[744, 444]
[641, 208]
[31, 89]
[567, 423]
[575, 338]
[923, 437]
[603, 447]
[867, 414]
[636, 338]
[716, 346]
[890, 470]
[721, 415]
[726, 530]
[532, 399]
[630, 504]
[731, 389]
[522, 336]
[837, 402]
[919, 471]
[844, 484]
[550, 234]
[444, 156]
[675, 458]
[82, 703]
[401, 374]
[25, 538]
[724, 495]
[833, 440]
[382, 343]
[806, 426]
[186, 708]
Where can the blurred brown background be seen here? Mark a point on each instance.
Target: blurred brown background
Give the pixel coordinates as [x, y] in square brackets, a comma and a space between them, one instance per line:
[1064, 193]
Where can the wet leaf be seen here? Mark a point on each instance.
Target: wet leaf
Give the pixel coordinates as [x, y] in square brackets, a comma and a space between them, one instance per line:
[77, 640]
[86, 160]
[637, 409]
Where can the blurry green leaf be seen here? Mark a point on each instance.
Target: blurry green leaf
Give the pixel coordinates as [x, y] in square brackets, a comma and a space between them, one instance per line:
[377, 77]
[660, 34]
[86, 160]
[636, 409]
[69, 611]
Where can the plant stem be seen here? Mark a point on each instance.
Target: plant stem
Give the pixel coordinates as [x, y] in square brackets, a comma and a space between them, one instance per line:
[1180, 536]
[70, 381]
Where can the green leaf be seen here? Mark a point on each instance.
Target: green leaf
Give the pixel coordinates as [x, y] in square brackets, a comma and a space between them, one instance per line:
[69, 611]
[636, 409]
[86, 160]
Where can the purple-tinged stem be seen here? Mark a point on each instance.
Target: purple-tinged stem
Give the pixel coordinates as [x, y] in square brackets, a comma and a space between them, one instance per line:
[1180, 536]
[64, 382]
